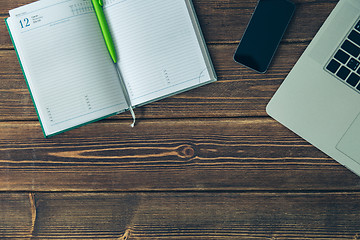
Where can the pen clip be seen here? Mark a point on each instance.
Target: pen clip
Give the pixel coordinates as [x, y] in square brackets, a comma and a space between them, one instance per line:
[101, 3]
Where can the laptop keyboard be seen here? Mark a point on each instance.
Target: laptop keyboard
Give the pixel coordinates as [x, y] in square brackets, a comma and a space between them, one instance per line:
[345, 63]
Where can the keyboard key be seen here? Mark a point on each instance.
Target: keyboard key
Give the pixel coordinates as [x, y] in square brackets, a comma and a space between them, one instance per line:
[353, 64]
[333, 66]
[353, 79]
[343, 73]
[355, 37]
[342, 56]
[357, 27]
[351, 48]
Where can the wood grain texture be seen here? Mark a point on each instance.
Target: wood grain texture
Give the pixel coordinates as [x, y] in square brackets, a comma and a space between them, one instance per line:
[191, 216]
[15, 216]
[226, 154]
[205, 164]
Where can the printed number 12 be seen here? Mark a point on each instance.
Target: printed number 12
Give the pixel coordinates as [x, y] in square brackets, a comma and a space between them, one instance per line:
[25, 23]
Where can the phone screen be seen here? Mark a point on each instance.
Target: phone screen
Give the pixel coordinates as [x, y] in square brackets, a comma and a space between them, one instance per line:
[263, 34]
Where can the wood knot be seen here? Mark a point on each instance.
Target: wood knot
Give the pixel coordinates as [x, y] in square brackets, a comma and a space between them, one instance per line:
[125, 236]
[186, 151]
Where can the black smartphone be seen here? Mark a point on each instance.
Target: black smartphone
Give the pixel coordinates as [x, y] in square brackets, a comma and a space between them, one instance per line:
[264, 33]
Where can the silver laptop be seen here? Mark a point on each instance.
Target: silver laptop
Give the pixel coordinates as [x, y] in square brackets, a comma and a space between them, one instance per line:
[320, 98]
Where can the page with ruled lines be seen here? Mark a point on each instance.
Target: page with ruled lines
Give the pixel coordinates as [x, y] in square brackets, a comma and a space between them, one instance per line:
[157, 47]
[68, 68]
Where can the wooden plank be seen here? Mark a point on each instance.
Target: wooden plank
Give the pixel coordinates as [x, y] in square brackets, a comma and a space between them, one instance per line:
[239, 91]
[15, 216]
[226, 154]
[195, 216]
[225, 21]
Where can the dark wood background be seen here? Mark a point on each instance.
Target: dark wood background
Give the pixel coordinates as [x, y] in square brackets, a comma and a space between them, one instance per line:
[205, 164]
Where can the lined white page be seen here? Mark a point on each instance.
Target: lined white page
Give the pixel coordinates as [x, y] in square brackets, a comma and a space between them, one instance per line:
[67, 65]
[157, 47]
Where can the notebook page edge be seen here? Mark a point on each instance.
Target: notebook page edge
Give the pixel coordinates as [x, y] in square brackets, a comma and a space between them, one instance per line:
[201, 39]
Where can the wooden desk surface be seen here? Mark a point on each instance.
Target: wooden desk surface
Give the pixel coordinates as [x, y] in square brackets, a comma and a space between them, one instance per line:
[205, 164]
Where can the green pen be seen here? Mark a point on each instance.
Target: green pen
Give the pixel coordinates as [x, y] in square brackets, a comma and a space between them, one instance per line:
[98, 6]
